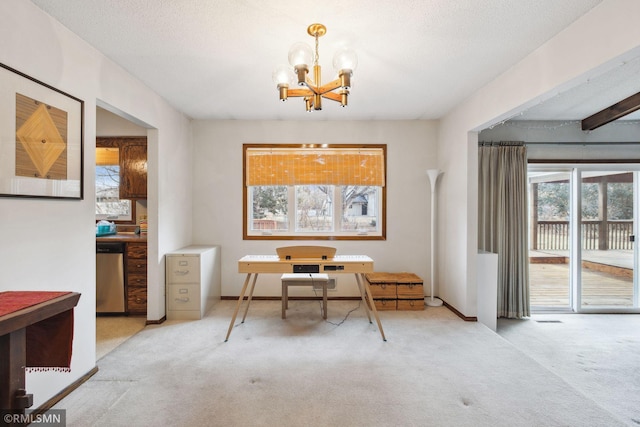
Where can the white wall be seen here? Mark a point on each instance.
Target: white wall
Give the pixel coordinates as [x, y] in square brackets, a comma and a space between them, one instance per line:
[50, 244]
[110, 124]
[599, 40]
[411, 150]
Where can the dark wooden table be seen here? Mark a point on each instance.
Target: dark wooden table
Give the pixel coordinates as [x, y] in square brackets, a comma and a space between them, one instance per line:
[13, 345]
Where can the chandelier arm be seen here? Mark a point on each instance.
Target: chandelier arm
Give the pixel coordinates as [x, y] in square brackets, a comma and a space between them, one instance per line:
[332, 96]
[311, 85]
[329, 86]
[300, 92]
[308, 83]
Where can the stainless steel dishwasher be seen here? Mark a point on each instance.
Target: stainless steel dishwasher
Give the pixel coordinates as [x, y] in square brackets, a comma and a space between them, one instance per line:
[110, 277]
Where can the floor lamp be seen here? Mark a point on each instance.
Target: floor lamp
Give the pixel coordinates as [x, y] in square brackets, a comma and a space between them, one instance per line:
[433, 175]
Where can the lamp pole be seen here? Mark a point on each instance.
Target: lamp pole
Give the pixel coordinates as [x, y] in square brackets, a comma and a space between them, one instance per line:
[433, 175]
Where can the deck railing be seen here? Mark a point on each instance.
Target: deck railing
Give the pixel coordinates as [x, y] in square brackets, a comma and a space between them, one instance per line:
[554, 235]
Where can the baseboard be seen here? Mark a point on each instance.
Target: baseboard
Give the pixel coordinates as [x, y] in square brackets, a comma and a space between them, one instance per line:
[457, 313]
[310, 298]
[65, 392]
[157, 322]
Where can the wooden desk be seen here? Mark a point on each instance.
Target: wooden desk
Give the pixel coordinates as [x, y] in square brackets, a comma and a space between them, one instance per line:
[358, 265]
[18, 351]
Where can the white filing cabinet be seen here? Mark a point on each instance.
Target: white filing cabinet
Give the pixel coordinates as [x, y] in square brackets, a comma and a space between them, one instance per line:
[193, 281]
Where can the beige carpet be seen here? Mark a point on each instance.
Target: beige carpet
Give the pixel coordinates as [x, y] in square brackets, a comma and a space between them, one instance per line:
[597, 354]
[435, 370]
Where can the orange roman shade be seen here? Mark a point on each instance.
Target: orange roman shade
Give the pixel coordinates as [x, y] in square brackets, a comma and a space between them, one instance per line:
[107, 156]
[315, 166]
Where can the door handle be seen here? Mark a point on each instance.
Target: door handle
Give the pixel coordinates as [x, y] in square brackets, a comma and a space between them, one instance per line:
[632, 237]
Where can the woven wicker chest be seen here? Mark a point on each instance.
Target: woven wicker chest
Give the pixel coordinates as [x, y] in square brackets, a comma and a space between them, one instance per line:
[396, 291]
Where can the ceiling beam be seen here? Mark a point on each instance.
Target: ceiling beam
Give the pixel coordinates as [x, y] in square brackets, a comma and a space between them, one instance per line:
[609, 114]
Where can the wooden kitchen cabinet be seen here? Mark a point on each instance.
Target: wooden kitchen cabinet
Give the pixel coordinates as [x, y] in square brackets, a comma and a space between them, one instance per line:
[132, 160]
[136, 273]
[133, 170]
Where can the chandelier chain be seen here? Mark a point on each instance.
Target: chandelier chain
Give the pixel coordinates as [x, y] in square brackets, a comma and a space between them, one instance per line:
[317, 58]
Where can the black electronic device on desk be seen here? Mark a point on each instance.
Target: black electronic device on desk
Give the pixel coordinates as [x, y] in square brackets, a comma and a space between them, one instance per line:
[306, 268]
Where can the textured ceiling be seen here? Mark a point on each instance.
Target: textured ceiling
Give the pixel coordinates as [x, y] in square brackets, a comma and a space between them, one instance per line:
[213, 59]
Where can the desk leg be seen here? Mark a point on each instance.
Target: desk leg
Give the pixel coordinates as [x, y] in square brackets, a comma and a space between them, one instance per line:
[253, 286]
[324, 301]
[373, 308]
[359, 280]
[235, 313]
[285, 299]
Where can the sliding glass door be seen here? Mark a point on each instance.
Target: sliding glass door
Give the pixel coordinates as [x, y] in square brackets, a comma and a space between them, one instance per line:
[583, 222]
[607, 233]
[549, 239]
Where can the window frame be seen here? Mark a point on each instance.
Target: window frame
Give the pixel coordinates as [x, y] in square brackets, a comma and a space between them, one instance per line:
[291, 234]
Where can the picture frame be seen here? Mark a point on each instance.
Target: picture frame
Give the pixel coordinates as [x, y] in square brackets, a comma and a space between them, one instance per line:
[41, 139]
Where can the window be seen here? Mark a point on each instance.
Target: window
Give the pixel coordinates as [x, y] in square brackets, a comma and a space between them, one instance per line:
[314, 192]
[109, 206]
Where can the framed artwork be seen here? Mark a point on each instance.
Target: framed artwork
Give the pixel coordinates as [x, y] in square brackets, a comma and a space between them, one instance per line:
[41, 139]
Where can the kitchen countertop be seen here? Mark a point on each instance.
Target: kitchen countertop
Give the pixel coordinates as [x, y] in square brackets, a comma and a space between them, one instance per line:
[123, 237]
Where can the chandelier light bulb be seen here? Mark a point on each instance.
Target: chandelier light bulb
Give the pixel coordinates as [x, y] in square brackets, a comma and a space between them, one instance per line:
[345, 59]
[283, 75]
[300, 54]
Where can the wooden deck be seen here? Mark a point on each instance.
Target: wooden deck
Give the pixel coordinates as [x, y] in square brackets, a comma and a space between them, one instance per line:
[607, 279]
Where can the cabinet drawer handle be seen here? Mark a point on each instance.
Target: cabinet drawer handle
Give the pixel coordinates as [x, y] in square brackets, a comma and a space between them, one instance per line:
[181, 272]
[182, 299]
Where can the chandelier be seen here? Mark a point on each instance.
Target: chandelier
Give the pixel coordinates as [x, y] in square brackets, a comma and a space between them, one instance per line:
[300, 57]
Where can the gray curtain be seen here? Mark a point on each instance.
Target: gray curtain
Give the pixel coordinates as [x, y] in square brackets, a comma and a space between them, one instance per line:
[502, 221]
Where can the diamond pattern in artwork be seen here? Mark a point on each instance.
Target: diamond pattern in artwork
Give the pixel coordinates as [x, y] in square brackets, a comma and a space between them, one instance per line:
[41, 140]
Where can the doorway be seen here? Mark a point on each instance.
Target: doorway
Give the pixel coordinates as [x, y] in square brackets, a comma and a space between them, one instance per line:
[583, 222]
[111, 130]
